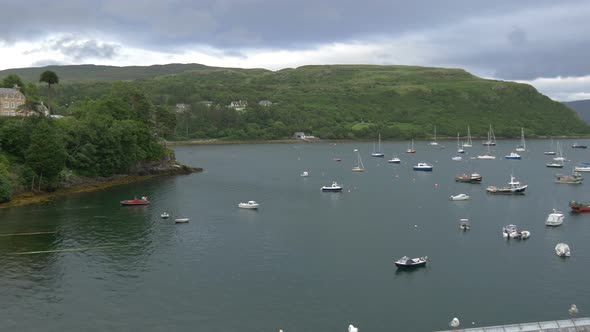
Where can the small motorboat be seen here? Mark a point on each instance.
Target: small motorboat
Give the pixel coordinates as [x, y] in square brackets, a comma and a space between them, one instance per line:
[456, 158]
[337, 159]
[464, 224]
[132, 202]
[459, 197]
[562, 250]
[406, 262]
[305, 174]
[469, 178]
[575, 178]
[423, 167]
[165, 215]
[334, 187]
[508, 229]
[582, 167]
[394, 160]
[181, 220]
[555, 218]
[525, 235]
[579, 146]
[250, 205]
[513, 156]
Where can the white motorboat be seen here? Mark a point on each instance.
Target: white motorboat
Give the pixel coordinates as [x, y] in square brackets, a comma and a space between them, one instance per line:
[456, 158]
[181, 220]
[459, 197]
[512, 232]
[582, 167]
[508, 229]
[165, 215]
[562, 250]
[334, 187]
[423, 167]
[464, 224]
[555, 218]
[394, 160]
[249, 205]
[411, 262]
[305, 174]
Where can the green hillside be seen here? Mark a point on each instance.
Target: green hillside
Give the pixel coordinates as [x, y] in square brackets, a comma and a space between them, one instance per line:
[335, 101]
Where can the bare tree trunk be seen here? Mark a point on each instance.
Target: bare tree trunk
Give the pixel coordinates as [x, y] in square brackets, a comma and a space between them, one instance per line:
[33, 183]
[40, 178]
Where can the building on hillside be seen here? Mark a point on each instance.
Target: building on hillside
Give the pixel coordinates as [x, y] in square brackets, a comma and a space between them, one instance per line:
[181, 108]
[238, 105]
[10, 100]
[265, 103]
[301, 135]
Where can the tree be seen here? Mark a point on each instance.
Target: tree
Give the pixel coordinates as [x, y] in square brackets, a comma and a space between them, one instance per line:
[50, 78]
[11, 80]
[46, 153]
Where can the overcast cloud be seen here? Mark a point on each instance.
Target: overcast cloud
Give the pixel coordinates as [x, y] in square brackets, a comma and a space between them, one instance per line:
[540, 42]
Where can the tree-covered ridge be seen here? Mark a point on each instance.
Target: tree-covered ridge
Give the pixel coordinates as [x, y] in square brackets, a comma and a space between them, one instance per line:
[101, 137]
[341, 101]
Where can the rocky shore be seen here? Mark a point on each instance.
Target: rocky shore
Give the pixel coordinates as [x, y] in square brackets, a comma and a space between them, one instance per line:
[77, 184]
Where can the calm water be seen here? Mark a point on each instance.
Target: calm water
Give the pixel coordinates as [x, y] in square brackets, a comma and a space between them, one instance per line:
[307, 260]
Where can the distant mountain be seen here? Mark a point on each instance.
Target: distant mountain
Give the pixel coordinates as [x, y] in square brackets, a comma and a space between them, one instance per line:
[86, 73]
[582, 107]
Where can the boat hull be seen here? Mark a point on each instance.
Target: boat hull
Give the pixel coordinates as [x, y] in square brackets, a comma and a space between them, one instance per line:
[468, 179]
[332, 189]
[134, 202]
[410, 266]
[579, 207]
[507, 191]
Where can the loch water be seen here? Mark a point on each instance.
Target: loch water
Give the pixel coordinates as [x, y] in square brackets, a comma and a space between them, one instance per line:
[306, 260]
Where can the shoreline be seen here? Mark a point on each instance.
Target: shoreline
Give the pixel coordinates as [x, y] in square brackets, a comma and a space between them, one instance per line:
[91, 184]
[293, 141]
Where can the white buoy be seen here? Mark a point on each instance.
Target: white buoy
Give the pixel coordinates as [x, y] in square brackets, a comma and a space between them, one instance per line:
[455, 323]
[351, 328]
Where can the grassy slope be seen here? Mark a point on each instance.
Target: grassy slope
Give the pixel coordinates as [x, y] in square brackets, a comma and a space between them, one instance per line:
[395, 98]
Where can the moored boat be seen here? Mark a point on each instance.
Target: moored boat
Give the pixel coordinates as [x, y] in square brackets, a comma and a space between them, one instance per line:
[131, 202]
[469, 178]
[582, 167]
[579, 206]
[304, 174]
[181, 220]
[562, 250]
[575, 178]
[491, 138]
[579, 146]
[249, 205]
[411, 148]
[334, 187]
[457, 158]
[459, 197]
[406, 262]
[377, 153]
[394, 160]
[555, 218]
[423, 167]
[514, 187]
[165, 215]
[513, 156]
[464, 224]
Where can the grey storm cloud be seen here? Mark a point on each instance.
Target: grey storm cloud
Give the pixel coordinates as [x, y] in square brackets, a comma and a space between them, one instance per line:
[506, 38]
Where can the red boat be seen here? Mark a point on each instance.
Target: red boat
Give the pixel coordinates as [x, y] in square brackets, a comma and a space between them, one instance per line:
[579, 206]
[135, 201]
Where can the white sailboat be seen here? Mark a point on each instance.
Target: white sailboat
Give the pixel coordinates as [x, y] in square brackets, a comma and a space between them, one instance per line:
[434, 142]
[550, 152]
[486, 156]
[411, 148]
[559, 154]
[491, 138]
[557, 161]
[459, 148]
[359, 167]
[469, 142]
[377, 153]
[522, 146]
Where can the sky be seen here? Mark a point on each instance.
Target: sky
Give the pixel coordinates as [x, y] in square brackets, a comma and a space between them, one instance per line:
[544, 43]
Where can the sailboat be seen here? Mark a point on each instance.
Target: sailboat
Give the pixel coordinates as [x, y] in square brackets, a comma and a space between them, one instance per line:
[557, 161]
[550, 152]
[459, 148]
[359, 167]
[491, 138]
[522, 146]
[411, 148]
[434, 142]
[486, 156]
[377, 153]
[469, 142]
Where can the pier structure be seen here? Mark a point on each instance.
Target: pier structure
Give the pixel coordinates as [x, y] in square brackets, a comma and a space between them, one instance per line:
[566, 325]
